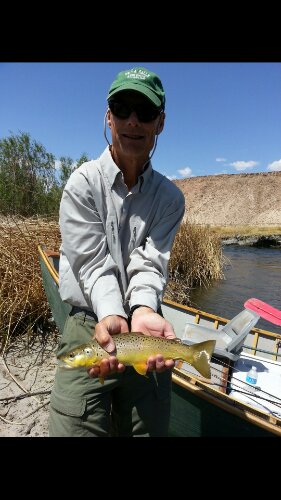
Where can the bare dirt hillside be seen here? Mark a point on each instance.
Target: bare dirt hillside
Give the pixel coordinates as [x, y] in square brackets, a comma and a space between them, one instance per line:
[233, 199]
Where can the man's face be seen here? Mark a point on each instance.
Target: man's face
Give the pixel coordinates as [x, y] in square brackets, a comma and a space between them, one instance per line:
[132, 137]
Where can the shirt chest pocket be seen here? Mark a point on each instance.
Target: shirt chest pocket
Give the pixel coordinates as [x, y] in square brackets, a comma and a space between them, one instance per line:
[136, 231]
[111, 234]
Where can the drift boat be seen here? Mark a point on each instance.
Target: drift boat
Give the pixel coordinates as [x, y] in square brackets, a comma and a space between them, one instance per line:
[225, 405]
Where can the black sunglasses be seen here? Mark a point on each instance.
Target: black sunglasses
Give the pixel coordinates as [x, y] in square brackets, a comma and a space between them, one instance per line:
[144, 112]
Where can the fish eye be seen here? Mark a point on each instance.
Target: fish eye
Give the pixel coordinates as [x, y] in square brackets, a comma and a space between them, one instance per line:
[72, 355]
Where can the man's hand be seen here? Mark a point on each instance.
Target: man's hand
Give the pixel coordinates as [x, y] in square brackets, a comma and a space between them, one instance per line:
[108, 326]
[147, 321]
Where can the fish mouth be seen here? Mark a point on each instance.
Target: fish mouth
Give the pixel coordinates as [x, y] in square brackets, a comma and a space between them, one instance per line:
[62, 365]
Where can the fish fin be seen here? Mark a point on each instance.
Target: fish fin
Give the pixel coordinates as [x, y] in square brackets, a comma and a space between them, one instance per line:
[141, 368]
[101, 379]
[202, 354]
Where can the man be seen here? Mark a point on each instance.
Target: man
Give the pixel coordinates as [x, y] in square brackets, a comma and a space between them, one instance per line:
[118, 220]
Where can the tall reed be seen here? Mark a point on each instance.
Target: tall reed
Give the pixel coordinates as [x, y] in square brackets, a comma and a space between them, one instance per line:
[23, 305]
[196, 259]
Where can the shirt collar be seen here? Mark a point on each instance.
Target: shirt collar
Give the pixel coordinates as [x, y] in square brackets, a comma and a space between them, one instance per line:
[111, 170]
[109, 166]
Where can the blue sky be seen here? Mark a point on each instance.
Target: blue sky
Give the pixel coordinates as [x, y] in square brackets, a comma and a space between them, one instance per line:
[220, 117]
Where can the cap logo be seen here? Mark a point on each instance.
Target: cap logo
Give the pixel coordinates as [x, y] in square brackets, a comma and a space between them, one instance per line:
[137, 74]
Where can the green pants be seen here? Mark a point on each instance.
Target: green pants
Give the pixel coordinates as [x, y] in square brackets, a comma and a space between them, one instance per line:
[127, 404]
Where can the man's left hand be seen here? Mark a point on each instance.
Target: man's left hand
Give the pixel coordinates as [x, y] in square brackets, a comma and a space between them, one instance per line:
[149, 322]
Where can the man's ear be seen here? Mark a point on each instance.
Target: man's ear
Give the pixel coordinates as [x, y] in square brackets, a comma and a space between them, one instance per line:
[108, 117]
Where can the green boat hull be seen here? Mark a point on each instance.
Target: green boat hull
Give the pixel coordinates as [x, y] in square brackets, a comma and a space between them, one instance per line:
[192, 416]
[60, 309]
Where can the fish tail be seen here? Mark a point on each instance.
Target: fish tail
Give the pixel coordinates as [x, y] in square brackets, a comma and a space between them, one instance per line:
[201, 354]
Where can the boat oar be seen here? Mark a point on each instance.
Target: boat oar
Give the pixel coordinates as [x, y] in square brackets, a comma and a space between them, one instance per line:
[264, 310]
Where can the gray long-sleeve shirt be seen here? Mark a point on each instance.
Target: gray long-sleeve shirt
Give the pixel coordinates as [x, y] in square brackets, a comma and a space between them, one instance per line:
[116, 243]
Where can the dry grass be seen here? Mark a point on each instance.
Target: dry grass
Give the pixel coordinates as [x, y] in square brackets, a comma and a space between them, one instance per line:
[196, 259]
[23, 305]
[245, 230]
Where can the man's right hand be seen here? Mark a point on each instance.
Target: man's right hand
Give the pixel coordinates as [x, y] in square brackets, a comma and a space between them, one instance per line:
[108, 326]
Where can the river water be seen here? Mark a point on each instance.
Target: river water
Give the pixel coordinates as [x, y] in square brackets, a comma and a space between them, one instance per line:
[249, 273]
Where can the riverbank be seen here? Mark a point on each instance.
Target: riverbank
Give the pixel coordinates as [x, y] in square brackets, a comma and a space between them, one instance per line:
[258, 241]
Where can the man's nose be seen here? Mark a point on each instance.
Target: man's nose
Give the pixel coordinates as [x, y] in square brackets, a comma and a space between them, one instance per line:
[133, 118]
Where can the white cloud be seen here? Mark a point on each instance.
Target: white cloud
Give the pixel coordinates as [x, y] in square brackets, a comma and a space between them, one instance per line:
[185, 172]
[275, 166]
[243, 165]
[220, 173]
[220, 159]
[57, 164]
[171, 177]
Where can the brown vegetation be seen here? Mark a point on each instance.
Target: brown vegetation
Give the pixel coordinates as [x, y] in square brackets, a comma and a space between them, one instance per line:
[23, 305]
[196, 259]
[234, 231]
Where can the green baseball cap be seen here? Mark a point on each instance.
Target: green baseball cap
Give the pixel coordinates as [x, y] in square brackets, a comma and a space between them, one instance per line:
[141, 80]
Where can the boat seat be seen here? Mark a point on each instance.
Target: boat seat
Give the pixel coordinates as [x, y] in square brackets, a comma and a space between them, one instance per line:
[229, 339]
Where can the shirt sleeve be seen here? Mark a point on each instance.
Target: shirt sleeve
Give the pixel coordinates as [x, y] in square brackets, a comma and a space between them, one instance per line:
[84, 243]
[148, 267]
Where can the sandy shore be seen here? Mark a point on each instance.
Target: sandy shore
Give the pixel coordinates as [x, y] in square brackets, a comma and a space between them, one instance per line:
[26, 377]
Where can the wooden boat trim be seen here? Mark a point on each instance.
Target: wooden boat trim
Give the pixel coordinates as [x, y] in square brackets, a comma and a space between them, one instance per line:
[195, 311]
[255, 342]
[224, 379]
[276, 350]
[45, 254]
[196, 385]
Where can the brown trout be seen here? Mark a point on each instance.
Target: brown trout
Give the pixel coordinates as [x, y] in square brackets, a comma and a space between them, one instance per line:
[133, 349]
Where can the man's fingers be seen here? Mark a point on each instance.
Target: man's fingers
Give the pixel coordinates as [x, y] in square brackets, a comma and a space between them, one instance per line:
[170, 335]
[105, 341]
[106, 367]
[94, 371]
[124, 327]
[158, 364]
[170, 364]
